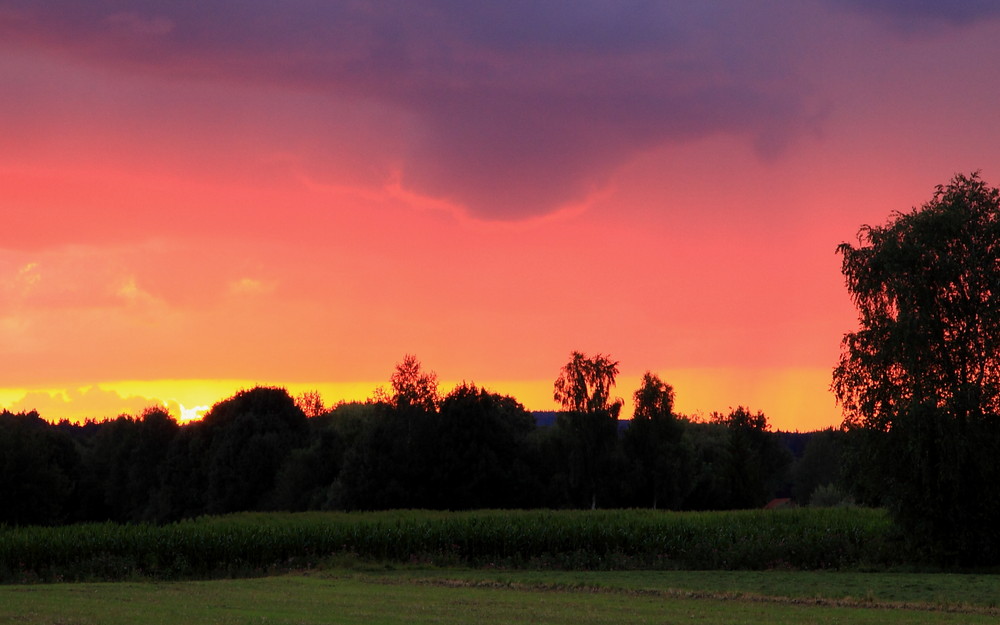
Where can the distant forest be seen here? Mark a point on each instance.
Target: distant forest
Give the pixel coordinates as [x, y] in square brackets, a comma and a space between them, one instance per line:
[410, 448]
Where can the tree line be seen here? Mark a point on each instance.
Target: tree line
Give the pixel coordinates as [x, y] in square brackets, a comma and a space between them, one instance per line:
[409, 447]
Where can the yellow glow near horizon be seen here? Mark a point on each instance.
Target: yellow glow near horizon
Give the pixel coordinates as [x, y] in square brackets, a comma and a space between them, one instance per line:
[786, 396]
[192, 414]
[201, 395]
[8, 396]
[184, 399]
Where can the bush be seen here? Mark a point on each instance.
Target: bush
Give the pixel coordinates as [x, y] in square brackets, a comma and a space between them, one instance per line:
[829, 496]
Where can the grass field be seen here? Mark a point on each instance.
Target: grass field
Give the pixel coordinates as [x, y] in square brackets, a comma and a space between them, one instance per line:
[414, 595]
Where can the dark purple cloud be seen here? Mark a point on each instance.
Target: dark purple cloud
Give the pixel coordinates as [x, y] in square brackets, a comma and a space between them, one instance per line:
[521, 106]
[910, 16]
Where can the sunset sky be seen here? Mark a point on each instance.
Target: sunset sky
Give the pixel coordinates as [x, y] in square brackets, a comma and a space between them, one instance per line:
[201, 196]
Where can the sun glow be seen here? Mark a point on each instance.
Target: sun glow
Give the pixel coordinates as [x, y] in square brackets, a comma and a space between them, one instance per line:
[185, 400]
[787, 397]
[192, 414]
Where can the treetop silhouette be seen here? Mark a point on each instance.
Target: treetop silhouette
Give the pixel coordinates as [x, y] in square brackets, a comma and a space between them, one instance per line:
[584, 384]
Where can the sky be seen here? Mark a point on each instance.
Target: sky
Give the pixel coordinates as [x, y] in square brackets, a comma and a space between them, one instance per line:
[202, 196]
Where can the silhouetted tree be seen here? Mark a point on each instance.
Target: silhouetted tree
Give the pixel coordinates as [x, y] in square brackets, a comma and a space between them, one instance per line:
[311, 403]
[481, 448]
[589, 422]
[412, 387]
[923, 369]
[126, 459]
[391, 464]
[248, 439]
[584, 384]
[708, 485]
[757, 459]
[652, 442]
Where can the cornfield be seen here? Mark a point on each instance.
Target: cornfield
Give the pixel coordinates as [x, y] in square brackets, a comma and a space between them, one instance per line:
[258, 543]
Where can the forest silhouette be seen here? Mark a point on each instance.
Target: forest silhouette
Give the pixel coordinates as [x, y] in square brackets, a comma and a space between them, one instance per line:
[408, 447]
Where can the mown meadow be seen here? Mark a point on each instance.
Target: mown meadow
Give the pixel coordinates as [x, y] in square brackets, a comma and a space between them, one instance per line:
[250, 544]
[416, 595]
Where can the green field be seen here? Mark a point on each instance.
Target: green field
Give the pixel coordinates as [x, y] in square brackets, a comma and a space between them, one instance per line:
[255, 544]
[415, 595]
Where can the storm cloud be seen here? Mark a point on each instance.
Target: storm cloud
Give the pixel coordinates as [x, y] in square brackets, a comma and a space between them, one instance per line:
[519, 108]
[924, 15]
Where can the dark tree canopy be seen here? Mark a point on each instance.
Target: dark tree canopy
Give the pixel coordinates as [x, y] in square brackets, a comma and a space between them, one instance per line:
[589, 423]
[247, 438]
[310, 403]
[37, 466]
[756, 459]
[654, 398]
[125, 459]
[584, 384]
[922, 372]
[479, 449]
[927, 289]
[652, 441]
[412, 387]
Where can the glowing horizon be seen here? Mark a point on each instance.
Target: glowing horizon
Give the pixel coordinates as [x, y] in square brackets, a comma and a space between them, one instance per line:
[713, 391]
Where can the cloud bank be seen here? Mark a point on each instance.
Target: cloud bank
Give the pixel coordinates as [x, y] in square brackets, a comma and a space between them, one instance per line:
[518, 108]
[93, 402]
[924, 15]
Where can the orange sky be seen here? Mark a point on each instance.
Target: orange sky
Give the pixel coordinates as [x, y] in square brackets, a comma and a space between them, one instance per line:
[199, 198]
